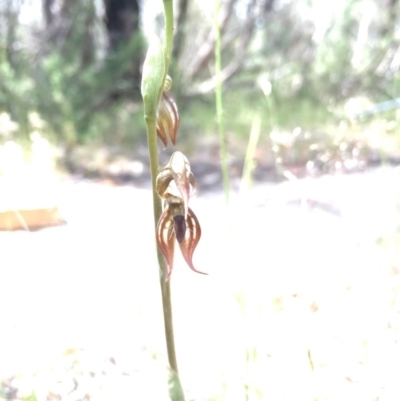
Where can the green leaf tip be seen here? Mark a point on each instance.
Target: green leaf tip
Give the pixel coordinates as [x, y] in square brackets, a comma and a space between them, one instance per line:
[153, 77]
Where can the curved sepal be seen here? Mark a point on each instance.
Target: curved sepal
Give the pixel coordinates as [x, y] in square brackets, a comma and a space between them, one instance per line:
[166, 239]
[163, 180]
[192, 238]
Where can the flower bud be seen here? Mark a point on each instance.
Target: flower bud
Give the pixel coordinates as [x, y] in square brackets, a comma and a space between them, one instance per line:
[167, 119]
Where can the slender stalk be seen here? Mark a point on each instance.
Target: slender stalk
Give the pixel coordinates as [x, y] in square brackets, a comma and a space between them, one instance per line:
[165, 286]
[219, 103]
[157, 205]
[155, 70]
[169, 32]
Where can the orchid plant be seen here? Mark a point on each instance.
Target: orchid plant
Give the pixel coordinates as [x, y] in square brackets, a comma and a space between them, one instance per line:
[175, 182]
[172, 185]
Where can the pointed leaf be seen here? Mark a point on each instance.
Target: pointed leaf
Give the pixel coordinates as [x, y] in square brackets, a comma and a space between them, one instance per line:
[152, 77]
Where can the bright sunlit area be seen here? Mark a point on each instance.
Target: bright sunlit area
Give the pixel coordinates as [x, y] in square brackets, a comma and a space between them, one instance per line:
[277, 175]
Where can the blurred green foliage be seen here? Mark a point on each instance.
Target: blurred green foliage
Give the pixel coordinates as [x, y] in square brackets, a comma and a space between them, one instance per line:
[292, 63]
[73, 83]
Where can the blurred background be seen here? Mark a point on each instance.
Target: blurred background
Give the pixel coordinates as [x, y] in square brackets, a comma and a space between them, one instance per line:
[302, 298]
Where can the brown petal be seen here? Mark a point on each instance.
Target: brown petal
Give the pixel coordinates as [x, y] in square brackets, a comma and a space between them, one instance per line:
[175, 120]
[183, 177]
[162, 124]
[167, 119]
[192, 238]
[163, 180]
[166, 239]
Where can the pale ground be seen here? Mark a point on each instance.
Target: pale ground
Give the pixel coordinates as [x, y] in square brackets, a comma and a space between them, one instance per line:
[300, 303]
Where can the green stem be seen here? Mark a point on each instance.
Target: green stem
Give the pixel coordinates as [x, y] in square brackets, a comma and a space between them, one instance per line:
[169, 32]
[151, 125]
[165, 285]
[219, 103]
[154, 73]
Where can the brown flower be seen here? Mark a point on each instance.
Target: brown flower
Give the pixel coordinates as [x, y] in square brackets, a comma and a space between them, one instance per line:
[186, 231]
[175, 184]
